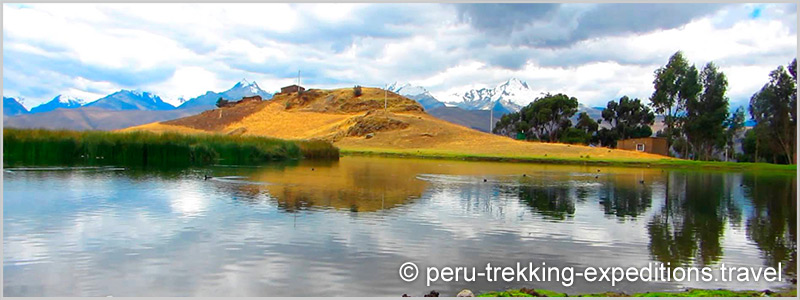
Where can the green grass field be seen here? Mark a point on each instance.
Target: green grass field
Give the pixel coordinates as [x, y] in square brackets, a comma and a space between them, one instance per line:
[587, 160]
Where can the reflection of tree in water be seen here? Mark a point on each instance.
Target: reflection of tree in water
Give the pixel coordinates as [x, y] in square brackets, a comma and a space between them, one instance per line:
[690, 225]
[773, 223]
[625, 201]
[553, 202]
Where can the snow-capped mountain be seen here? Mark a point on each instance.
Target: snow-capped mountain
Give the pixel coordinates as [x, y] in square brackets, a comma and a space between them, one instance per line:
[13, 107]
[418, 93]
[131, 100]
[59, 101]
[508, 96]
[241, 89]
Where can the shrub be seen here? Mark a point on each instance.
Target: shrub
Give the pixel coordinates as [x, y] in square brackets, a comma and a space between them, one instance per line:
[221, 102]
[357, 90]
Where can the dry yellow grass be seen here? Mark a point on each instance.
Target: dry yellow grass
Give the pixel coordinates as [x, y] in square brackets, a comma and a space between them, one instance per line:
[327, 114]
[159, 127]
[273, 120]
[431, 136]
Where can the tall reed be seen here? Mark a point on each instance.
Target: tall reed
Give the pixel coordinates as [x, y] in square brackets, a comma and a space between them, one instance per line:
[64, 147]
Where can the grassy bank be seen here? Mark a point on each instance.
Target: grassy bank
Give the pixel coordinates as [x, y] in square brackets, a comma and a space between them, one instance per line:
[585, 160]
[687, 293]
[63, 147]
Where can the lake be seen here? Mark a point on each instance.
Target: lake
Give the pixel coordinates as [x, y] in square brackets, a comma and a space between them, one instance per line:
[344, 228]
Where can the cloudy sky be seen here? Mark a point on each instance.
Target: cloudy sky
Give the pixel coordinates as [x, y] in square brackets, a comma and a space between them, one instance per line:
[595, 52]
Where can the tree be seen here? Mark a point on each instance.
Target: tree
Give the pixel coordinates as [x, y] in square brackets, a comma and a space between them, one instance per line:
[544, 119]
[774, 108]
[628, 119]
[582, 133]
[607, 137]
[357, 90]
[706, 114]
[674, 84]
[586, 123]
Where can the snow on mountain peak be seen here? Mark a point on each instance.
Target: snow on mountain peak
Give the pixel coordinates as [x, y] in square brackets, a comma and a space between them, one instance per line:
[511, 94]
[248, 86]
[144, 95]
[407, 89]
[64, 99]
[515, 84]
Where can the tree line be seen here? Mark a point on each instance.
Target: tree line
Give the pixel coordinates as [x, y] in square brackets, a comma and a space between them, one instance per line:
[695, 111]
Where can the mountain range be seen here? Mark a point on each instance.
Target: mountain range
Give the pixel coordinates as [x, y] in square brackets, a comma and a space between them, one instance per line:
[117, 110]
[472, 108]
[241, 89]
[127, 108]
[506, 97]
[131, 100]
[418, 93]
[12, 107]
[59, 101]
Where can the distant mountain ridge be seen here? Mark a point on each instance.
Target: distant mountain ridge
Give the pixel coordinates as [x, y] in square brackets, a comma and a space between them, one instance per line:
[92, 118]
[120, 109]
[475, 119]
[417, 93]
[131, 100]
[241, 89]
[506, 97]
[59, 101]
[13, 107]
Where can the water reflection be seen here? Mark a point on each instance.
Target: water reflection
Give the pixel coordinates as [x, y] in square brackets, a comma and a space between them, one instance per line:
[553, 202]
[689, 226]
[626, 198]
[342, 228]
[772, 224]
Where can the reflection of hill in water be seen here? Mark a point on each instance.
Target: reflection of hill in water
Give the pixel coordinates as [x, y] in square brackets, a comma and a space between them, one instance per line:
[371, 184]
[355, 185]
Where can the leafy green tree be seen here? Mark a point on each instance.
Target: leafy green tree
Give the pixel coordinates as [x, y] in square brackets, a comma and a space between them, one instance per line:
[607, 137]
[674, 84]
[586, 123]
[583, 132]
[544, 119]
[774, 108]
[706, 114]
[628, 118]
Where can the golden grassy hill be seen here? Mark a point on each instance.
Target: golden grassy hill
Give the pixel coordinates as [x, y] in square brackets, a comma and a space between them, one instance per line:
[360, 124]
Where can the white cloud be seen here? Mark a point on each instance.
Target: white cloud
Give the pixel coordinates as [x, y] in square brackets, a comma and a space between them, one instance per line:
[183, 50]
[188, 82]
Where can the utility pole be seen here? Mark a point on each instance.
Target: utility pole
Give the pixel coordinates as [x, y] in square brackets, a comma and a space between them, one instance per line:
[298, 84]
[491, 119]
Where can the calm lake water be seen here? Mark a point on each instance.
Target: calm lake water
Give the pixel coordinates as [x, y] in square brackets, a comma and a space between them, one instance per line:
[344, 228]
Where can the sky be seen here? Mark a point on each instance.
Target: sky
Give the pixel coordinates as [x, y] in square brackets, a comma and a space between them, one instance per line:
[594, 52]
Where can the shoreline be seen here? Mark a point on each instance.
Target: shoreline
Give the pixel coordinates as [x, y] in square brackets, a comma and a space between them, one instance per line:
[662, 163]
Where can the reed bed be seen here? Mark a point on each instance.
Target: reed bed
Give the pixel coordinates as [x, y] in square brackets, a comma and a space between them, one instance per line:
[64, 147]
